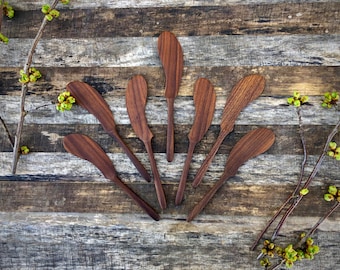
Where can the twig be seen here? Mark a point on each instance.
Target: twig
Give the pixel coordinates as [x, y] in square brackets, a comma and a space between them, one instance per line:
[310, 233]
[24, 88]
[1, 12]
[276, 266]
[297, 188]
[317, 224]
[310, 178]
[7, 132]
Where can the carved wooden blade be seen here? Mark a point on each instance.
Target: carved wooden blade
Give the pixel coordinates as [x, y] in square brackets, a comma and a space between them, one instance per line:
[204, 99]
[171, 56]
[89, 98]
[136, 95]
[244, 92]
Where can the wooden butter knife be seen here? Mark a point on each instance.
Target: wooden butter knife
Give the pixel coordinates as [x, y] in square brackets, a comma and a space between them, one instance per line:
[136, 95]
[252, 144]
[171, 56]
[84, 147]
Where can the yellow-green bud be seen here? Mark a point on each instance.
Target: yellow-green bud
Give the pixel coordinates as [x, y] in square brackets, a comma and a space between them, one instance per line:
[24, 150]
[332, 190]
[332, 145]
[328, 197]
[304, 191]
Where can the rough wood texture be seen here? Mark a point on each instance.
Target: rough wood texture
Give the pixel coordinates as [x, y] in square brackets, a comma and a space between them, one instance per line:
[59, 212]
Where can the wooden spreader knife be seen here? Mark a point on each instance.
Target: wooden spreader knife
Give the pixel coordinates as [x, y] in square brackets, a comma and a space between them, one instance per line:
[84, 147]
[245, 91]
[204, 100]
[171, 56]
[252, 144]
[136, 95]
[89, 98]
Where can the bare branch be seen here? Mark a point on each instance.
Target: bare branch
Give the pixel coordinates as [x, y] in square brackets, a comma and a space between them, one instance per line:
[7, 132]
[24, 88]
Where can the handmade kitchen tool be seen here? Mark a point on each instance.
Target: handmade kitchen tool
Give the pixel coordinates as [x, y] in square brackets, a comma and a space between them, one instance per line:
[89, 98]
[171, 56]
[136, 95]
[204, 100]
[245, 91]
[252, 144]
[84, 147]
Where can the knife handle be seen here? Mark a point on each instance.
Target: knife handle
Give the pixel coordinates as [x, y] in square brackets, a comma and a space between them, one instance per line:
[138, 200]
[205, 165]
[170, 139]
[131, 156]
[184, 176]
[156, 177]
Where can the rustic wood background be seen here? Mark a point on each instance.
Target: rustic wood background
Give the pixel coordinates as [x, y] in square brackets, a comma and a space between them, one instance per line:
[59, 212]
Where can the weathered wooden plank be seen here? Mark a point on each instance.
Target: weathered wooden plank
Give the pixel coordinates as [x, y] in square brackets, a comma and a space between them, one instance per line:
[232, 199]
[50, 137]
[285, 18]
[84, 4]
[280, 81]
[264, 170]
[108, 241]
[248, 50]
[259, 112]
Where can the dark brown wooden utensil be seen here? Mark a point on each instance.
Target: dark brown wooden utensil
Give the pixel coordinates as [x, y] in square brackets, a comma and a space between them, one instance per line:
[136, 95]
[204, 100]
[171, 56]
[84, 147]
[89, 98]
[252, 144]
[245, 91]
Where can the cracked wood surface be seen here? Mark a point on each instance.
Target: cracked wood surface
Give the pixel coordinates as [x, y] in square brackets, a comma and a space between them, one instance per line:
[59, 212]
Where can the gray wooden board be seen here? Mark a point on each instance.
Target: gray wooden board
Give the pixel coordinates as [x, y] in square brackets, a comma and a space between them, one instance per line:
[249, 50]
[107, 241]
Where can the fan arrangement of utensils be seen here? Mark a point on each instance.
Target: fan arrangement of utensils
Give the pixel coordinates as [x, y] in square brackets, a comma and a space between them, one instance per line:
[245, 91]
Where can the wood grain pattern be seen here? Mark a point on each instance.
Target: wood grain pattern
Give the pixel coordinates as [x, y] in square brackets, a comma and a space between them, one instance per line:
[59, 212]
[256, 18]
[243, 50]
[280, 80]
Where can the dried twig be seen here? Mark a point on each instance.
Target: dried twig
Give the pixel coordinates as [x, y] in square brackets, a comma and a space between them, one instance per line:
[317, 224]
[1, 12]
[309, 180]
[7, 132]
[309, 234]
[298, 185]
[24, 89]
